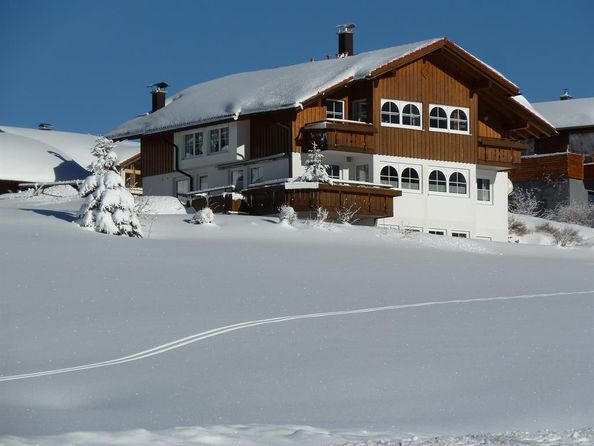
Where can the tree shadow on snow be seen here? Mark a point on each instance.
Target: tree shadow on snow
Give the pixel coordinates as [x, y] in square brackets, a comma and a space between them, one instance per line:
[62, 215]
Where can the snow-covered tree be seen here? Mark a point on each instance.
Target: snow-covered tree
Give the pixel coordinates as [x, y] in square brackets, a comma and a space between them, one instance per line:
[315, 169]
[108, 206]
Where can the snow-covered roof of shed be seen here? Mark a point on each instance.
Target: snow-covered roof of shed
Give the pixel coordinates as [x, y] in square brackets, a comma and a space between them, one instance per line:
[571, 113]
[28, 160]
[260, 91]
[76, 146]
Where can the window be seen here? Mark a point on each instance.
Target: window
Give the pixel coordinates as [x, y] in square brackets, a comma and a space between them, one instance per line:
[237, 179]
[410, 179]
[203, 182]
[360, 110]
[438, 118]
[214, 141]
[457, 183]
[333, 171]
[460, 234]
[483, 189]
[458, 120]
[448, 118]
[218, 140]
[436, 231]
[411, 115]
[389, 175]
[437, 181]
[193, 145]
[182, 187]
[401, 114]
[257, 174]
[334, 109]
[390, 113]
[362, 172]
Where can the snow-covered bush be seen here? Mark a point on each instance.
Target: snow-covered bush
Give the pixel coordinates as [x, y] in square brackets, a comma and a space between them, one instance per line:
[575, 213]
[315, 169]
[516, 227]
[320, 218]
[562, 236]
[524, 201]
[346, 216]
[204, 216]
[286, 214]
[108, 206]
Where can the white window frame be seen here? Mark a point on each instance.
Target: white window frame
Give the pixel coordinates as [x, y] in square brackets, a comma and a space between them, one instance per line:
[356, 113]
[449, 109]
[219, 130]
[194, 136]
[180, 181]
[448, 171]
[435, 231]
[466, 183]
[413, 229]
[201, 180]
[490, 200]
[233, 181]
[388, 166]
[329, 170]
[333, 112]
[401, 104]
[364, 167]
[419, 171]
[444, 173]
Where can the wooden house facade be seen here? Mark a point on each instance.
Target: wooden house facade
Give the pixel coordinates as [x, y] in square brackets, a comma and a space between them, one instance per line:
[560, 169]
[428, 121]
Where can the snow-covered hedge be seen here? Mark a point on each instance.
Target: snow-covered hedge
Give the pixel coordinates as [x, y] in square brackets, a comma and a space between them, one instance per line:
[203, 217]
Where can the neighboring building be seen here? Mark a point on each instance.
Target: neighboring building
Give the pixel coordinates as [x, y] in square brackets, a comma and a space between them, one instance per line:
[427, 118]
[560, 168]
[43, 155]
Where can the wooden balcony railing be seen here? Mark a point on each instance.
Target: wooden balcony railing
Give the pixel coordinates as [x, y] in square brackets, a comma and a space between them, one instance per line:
[500, 152]
[348, 136]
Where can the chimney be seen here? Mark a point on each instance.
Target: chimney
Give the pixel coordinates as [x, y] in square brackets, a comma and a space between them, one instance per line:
[158, 93]
[45, 126]
[345, 39]
[565, 96]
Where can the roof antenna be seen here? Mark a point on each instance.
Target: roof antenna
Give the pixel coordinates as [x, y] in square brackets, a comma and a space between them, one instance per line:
[565, 96]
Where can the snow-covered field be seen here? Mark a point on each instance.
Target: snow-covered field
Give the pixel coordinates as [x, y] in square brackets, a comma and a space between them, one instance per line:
[255, 333]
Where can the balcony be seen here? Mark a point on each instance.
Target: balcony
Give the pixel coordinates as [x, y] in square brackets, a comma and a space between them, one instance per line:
[346, 136]
[500, 152]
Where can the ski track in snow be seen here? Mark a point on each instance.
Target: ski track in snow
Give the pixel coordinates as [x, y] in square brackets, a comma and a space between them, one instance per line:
[160, 349]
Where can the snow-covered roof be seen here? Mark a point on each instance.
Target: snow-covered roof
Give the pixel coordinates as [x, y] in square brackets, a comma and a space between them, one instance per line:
[570, 113]
[77, 146]
[266, 90]
[28, 160]
[32, 155]
[520, 99]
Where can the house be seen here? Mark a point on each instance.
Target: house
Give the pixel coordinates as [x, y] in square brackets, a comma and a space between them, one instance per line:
[44, 155]
[427, 119]
[560, 168]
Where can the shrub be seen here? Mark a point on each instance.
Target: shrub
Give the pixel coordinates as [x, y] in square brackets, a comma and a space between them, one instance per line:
[516, 227]
[524, 201]
[346, 216]
[204, 216]
[575, 213]
[286, 214]
[563, 237]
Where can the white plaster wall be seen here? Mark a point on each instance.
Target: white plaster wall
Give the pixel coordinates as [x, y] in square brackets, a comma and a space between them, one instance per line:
[160, 184]
[446, 211]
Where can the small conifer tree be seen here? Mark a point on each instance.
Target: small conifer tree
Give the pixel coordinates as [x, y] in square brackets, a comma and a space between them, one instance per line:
[108, 206]
[315, 169]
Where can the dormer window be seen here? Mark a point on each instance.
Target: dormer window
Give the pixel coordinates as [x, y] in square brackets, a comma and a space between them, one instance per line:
[334, 109]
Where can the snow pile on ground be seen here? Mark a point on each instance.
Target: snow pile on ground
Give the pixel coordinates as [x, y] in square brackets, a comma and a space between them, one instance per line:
[539, 231]
[263, 435]
[354, 330]
[59, 192]
[158, 205]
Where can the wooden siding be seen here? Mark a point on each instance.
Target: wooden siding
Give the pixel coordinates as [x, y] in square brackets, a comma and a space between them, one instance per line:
[589, 172]
[343, 136]
[371, 202]
[554, 144]
[562, 165]
[424, 82]
[270, 134]
[156, 152]
[313, 112]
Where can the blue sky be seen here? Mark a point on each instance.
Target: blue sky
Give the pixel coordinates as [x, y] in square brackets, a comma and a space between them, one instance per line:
[83, 65]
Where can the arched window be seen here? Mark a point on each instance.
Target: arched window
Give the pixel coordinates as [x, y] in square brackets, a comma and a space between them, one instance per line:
[458, 120]
[437, 181]
[410, 179]
[438, 118]
[389, 175]
[457, 183]
[390, 113]
[411, 115]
